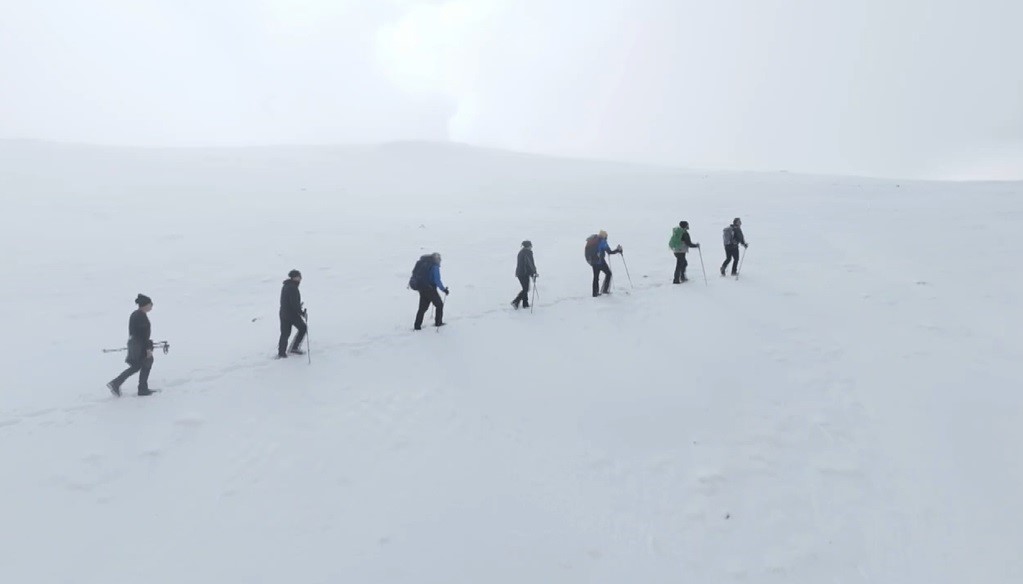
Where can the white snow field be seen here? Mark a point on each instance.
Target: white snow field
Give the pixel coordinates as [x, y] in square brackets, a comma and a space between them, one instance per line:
[850, 410]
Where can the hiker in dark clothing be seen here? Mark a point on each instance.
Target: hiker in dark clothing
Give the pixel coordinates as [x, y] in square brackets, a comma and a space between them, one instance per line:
[524, 270]
[596, 247]
[292, 315]
[140, 349]
[426, 280]
[733, 238]
[680, 243]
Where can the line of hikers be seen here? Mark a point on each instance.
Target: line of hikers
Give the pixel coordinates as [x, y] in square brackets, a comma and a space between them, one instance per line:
[425, 280]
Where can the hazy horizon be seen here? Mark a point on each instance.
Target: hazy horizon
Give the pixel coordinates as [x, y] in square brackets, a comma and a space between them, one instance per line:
[907, 89]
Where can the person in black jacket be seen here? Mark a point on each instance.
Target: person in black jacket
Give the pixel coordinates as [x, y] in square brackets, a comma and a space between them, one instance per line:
[292, 315]
[733, 238]
[140, 349]
[524, 270]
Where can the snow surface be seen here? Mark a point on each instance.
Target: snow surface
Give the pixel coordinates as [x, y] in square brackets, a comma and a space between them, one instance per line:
[848, 411]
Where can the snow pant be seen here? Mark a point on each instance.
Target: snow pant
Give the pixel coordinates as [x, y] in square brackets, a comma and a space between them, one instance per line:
[288, 321]
[597, 269]
[426, 298]
[142, 367]
[523, 297]
[731, 255]
[680, 266]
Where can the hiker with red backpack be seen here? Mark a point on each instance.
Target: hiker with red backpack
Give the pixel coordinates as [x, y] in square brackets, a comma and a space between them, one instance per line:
[426, 280]
[596, 248]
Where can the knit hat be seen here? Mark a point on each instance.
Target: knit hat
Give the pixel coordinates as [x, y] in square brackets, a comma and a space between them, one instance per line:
[294, 274]
[527, 243]
[736, 221]
[602, 234]
[143, 300]
[683, 224]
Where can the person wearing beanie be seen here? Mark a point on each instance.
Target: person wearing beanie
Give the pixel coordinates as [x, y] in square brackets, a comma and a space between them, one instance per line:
[140, 349]
[733, 238]
[426, 280]
[292, 315]
[524, 270]
[596, 247]
[680, 243]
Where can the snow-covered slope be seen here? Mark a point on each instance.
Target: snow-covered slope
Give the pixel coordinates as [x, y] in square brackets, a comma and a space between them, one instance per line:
[848, 411]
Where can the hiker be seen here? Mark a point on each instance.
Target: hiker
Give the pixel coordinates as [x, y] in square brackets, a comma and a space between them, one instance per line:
[596, 247]
[733, 239]
[680, 243]
[524, 270]
[140, 349]
[426, 280]
[292, 315]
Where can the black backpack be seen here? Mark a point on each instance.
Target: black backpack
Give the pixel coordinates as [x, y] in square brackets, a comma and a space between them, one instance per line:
[421, 273]
[590, 251]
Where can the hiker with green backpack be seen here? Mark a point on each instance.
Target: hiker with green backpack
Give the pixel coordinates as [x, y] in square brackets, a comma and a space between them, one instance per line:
[680, 243]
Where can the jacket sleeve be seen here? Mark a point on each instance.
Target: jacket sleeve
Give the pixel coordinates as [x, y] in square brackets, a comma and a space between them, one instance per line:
[435, 276]
[686, 239]
[530, 264]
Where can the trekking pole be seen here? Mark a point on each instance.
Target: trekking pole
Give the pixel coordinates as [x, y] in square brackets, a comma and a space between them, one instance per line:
[308, 343]
[157, 345]
[533, 303]
[627, 270]
[739, 268]
[700, 249]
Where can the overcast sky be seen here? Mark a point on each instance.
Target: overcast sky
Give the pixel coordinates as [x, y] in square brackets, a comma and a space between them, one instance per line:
[914, 88]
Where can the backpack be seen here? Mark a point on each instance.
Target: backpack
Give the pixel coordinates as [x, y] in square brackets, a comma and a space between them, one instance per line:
[729, 235]
[675, 242]
[590, 251]
[421, 273]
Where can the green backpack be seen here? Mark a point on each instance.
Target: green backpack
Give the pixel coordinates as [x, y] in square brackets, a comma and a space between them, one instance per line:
[676, 238]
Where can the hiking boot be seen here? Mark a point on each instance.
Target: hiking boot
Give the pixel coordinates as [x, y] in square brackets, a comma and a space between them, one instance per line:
[144, 392]
[515, 305]
[722, 270]
[281, 356]
[440, 324]
[296, 352]
[114, 389]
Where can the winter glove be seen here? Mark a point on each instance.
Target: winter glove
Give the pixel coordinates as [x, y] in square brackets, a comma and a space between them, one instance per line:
[446, 291]
[745, 245]
[305, 314]
[696, 245]
[619, 248]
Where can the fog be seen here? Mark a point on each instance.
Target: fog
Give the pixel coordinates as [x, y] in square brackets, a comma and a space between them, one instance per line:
[907, 88]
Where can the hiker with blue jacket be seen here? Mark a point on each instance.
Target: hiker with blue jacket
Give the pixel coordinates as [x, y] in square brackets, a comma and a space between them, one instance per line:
[733, 238]
[680, 243]
[596, 248]
[426, 280]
